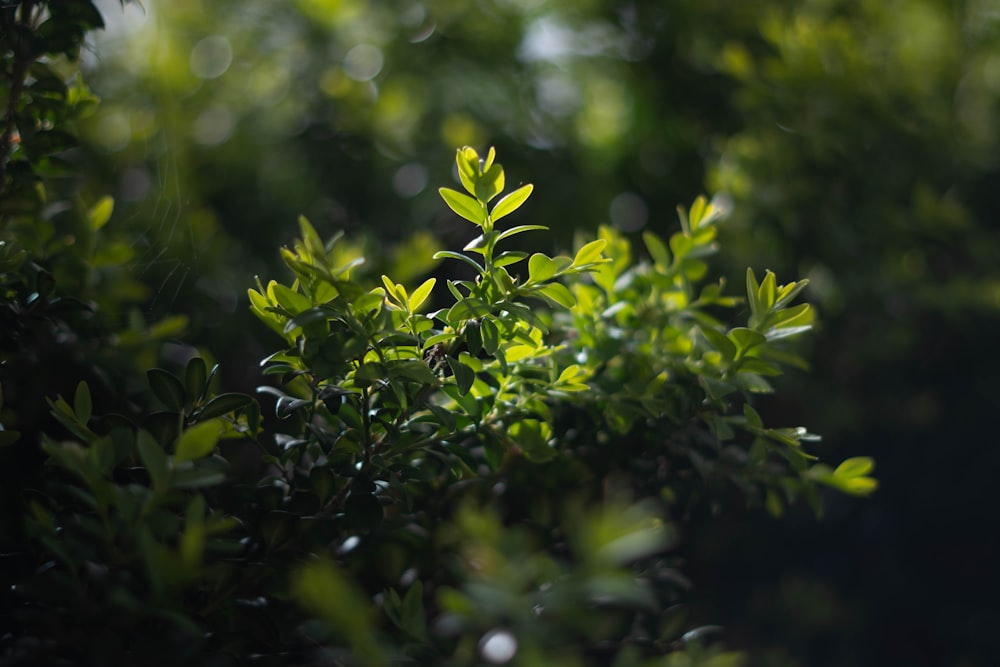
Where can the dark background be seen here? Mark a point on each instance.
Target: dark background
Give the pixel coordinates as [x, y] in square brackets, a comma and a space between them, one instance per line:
[855, 143]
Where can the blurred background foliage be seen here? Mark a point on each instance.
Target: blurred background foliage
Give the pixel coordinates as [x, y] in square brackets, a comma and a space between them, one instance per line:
[854, 142]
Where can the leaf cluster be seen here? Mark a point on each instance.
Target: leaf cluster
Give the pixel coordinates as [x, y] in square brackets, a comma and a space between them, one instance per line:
[493, 469]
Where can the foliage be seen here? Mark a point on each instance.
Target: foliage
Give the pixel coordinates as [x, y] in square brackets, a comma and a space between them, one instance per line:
[503, 478]
[498, 478]
[68, 306]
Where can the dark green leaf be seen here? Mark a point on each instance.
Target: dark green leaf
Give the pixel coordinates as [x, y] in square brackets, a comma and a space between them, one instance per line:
[82, 406]
[196, 378]
[223, 404]
[153, 456]
[167, 388]
[464, 376]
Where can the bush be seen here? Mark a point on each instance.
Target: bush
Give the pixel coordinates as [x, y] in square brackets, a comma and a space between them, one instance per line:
[500, 479]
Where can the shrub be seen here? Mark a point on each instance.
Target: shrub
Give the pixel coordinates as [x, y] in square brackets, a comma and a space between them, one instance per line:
[498, 477]
[491, 470]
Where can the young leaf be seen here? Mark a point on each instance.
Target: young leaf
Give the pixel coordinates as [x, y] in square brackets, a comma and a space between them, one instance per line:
[541, 268]
[657, 250]
[490, 183]
[855, 467]
[767, 292]
[511, 202]
[464, 205]
[441, 254]
[517, 230]
[558, 293]
[421, 293]
[99, 215]
[590, 253]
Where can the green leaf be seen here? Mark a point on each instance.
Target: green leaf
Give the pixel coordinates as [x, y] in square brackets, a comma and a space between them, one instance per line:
[657, 250]
[508, 258]
[82, 405]
[451, 254]
[680, 245]
[511, 202]
[517, 230]
[223, 404]
[745, 340]
[719, 341]
[558, 293]
[754, 365]
[464, 205]
[154, 458]
[590, 253]
[490, 182]
[756, 311]
[310, 238]
[196, 378]
[855, 467]
[788, 292]
[198, 441]
[464, 376]
[413, 369]
[396, 293]
[697, 212]
[532, 436]
[368, 374]
[795, 316]
[414, 618]
[290, 300]
[421, 293]
[467, 161]
[345, 609]
[490, 335]
[308, 320]
[196, 478]
[100, 213]
[752, 417]
[541, 267]
[767, 292]
[167, 388]
[467, 308]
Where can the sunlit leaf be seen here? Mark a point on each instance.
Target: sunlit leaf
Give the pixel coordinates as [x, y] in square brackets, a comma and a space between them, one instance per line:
[464, 205]
[511, 202]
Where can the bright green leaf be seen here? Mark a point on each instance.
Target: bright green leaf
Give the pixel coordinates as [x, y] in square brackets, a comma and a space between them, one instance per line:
[511, 202]
[855, 467]
[100, 213]
[541, 267]
[464, 205]
[421, 293]
[558, 293]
